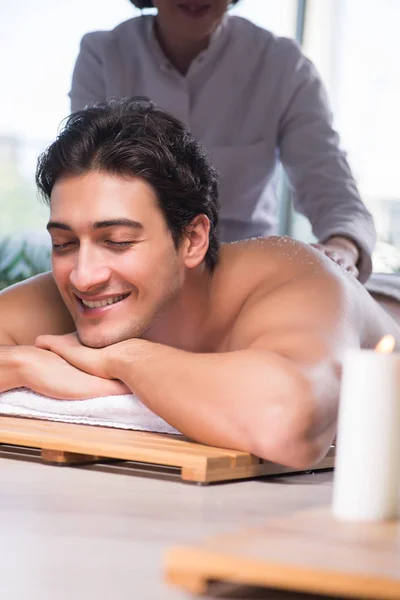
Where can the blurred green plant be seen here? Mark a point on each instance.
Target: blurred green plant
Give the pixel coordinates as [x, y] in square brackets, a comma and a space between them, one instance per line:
[20, 259]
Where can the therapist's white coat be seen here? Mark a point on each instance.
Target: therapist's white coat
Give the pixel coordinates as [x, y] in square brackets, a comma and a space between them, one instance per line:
[252, 99]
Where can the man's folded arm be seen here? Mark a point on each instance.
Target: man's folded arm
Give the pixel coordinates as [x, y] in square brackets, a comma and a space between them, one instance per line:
[10, 375]
[27, 309]
[249, 400]
[9, 378]
[275, 395]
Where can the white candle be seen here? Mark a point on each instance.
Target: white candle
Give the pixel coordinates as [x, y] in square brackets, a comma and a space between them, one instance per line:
[367, 465]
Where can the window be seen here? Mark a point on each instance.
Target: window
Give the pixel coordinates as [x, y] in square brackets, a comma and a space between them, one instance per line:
[39, 42]
[356, 47]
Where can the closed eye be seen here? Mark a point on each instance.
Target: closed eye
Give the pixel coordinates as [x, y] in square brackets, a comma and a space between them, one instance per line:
[119, 244]
[62, 246]
[115, 245]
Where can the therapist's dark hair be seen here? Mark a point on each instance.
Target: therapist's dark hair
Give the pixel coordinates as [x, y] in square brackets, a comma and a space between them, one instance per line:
[148, 3]
[132, 137]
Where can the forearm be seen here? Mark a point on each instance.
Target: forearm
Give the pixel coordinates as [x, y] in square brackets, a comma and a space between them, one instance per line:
[10, 374]
[248, 400]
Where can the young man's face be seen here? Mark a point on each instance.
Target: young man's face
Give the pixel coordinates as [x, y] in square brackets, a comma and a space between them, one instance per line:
[114, 260]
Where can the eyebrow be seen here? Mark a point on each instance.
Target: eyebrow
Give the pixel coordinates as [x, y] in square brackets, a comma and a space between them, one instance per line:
[98, 224]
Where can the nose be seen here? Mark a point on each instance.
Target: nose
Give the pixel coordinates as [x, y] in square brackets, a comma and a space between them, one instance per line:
[90, 269]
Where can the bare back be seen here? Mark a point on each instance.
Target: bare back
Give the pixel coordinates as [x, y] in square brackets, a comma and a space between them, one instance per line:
[277, 288]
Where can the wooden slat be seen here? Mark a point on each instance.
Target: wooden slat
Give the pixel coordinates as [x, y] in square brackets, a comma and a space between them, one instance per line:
[67, 458]
[195, 460]
[74, 443]
[305, 552]
[25, 431]
[259, 468]
[33, 427]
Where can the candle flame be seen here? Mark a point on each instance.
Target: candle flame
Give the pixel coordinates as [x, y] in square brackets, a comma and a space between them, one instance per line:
[386, 344]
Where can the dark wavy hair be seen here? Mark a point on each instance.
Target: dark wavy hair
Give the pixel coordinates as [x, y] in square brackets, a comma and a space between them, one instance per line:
[133, 137]
[149, 4]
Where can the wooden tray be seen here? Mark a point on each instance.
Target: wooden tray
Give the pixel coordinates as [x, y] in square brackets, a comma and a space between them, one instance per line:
[65, 443]
[304, 552]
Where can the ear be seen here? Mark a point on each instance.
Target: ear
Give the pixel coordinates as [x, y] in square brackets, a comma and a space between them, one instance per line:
[195, 242]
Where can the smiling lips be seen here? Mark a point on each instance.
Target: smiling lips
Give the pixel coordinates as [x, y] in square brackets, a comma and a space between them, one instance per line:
[91, 305]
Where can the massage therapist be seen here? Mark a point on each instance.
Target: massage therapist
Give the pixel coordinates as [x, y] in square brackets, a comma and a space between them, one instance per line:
[253, 100]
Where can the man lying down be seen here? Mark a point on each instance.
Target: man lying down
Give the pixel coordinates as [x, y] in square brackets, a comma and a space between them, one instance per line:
[236, 345]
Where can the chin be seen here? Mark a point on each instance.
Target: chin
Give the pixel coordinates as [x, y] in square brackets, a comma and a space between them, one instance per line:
[95, 342]
[98, 339]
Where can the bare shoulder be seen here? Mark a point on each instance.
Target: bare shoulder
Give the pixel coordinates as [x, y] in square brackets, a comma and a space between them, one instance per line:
[295, 298]
[266, 264]
[31, 308]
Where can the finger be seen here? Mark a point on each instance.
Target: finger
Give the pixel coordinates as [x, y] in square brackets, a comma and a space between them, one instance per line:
[337, 258]
[58, 345]
[71, 337]
[44, 341]
[319, 247]
[353, 270]
[332, 254]
[83, 358]
[340, 261]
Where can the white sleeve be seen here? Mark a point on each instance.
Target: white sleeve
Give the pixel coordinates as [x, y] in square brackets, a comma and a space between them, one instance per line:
[325, 189]
[88, 85]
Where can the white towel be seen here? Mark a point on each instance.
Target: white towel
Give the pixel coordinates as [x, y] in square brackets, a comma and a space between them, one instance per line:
[123, 412]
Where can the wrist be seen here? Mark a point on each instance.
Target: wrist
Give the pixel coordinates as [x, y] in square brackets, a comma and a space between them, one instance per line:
[11, 367]
[122, 357]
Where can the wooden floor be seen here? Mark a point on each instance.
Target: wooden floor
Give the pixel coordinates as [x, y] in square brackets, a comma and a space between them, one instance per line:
[101, 532]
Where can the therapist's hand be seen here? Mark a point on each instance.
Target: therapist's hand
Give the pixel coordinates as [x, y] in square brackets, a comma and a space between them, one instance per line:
[342, 251]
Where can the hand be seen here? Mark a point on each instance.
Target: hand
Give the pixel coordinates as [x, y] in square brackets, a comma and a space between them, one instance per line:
[50, 375]
[342, 251]
[95, 361]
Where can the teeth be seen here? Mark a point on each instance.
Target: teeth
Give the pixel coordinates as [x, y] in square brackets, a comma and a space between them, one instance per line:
[103, 302]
